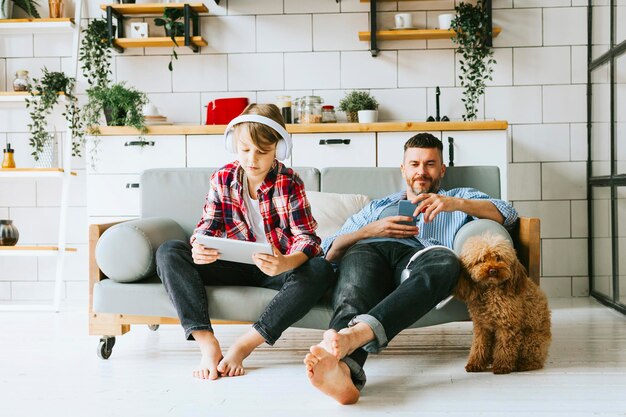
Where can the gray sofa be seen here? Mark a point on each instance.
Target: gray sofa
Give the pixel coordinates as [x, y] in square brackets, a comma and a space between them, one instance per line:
[171, 203]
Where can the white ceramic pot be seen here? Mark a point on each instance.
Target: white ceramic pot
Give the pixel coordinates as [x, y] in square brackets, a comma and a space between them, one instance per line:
[445, 20]
[368, 116]
[6, 10]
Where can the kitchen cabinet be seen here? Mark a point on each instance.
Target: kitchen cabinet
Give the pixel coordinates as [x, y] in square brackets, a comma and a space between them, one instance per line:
[322, 150]
[207, 151]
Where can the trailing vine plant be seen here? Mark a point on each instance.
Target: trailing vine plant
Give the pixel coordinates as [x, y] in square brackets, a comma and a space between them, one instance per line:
[45, 93]
[95, 54]
[173, 28]
[472, 31]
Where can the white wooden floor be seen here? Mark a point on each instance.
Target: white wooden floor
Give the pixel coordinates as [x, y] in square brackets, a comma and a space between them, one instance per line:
[49, 367]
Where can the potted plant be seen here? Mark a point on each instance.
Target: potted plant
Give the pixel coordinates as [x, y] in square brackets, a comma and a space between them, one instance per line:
[121, 105]
[95, 54]
[173, 28]
[45, 93]
[472, 31]
[29, 6]
[361, 103]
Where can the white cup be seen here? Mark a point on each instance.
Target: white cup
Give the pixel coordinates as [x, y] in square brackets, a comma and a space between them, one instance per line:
[404, 20]
[445, 20]
[150, 109]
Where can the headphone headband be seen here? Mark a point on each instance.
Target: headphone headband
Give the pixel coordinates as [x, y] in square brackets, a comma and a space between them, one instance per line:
[283, 152]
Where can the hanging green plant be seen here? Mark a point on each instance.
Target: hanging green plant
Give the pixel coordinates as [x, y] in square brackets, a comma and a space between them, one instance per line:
[173, 28]
[472, 28]
[45, 93]
[95, 54]
[29, 6]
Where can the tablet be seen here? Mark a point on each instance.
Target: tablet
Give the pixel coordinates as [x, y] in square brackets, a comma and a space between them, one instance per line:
[234, 250]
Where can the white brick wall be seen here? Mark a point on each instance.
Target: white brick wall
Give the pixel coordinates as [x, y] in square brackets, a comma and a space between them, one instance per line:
[263, 49]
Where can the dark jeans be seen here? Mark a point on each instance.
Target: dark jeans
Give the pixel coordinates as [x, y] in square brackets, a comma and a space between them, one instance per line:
[298, 289]
[369, 290]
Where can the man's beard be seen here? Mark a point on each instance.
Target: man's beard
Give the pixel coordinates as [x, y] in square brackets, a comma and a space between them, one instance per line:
[435, 184]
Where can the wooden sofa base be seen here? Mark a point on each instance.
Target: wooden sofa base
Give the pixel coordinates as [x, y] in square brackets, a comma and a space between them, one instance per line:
[526, 236]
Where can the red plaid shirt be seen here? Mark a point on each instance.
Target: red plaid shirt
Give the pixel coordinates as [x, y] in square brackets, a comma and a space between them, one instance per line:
[287, 219]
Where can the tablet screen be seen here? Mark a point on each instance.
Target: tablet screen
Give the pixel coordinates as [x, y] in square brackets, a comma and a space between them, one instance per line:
[234, 250]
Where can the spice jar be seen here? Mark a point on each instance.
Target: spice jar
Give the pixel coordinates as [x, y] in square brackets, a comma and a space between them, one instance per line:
[284, 104]
[328, 114]
[311, 109]
[21, 81]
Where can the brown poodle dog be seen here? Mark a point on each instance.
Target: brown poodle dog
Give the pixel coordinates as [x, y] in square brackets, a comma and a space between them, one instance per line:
[510, 313]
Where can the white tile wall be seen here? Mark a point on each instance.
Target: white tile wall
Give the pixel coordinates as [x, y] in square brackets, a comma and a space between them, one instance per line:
[284, 33]
[263, 49]
[530, 143]
[572, 33]
[75, 269]
[359, 70]
[564, 257]
[312, 70]
[426, 68]
[563, 180]
[336, 32]
[255, 72]
[18, 268]
[542, 66]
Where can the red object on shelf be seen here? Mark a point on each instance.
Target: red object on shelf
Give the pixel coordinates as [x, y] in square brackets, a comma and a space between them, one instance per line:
[222, 110]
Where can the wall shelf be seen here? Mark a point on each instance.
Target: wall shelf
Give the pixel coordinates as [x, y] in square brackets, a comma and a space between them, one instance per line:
[410, 34]
[32, 250]
[30, 26]
[191, 19]
[33, 172]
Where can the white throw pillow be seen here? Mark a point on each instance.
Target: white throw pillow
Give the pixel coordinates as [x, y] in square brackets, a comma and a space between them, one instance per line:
[331, 210]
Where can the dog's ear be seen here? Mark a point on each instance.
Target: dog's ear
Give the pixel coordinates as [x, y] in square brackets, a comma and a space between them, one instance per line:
[519, 277]
[464, 285]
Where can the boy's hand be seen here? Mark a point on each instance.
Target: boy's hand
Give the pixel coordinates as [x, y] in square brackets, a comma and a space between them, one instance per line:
[202, 255]
[272, 265]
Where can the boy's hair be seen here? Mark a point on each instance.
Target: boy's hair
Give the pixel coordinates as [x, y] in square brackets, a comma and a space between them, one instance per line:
[424, 140]
[262, 136]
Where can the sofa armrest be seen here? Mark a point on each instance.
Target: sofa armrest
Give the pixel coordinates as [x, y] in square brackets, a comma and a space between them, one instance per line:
[95, 275]
[527, 240]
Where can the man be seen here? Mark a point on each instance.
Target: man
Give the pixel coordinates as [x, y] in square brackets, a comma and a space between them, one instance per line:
[374, 300]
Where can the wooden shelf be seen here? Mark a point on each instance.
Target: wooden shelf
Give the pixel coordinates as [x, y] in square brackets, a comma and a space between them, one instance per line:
[156, 42]
[317, 128]
[411, 34]
[32, 250]
[389, 1]
[13, 97]
[33, 172]
[9, 26]
[152, 8]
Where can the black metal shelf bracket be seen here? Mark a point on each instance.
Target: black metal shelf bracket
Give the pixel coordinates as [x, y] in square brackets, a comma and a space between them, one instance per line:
[373, 28]
[120, 28]
[489, 23]
[192, 21]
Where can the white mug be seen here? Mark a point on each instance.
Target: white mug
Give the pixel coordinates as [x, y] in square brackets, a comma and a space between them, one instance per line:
[445, 20]
[404, 20]
[150, 109]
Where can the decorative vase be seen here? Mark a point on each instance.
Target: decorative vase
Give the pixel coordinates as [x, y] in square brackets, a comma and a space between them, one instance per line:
[8, 233]
[56, 8]
[48, 158]
[6, 10]
[368, 116]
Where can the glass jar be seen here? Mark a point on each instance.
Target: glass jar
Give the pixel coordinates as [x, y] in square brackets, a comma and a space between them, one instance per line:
[21, 81]
[296, 109]
[284, 104]
[8, 233]
[328, 114]
[311, 109]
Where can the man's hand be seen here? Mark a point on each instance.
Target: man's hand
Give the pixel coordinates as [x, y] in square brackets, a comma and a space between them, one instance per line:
[272, 265]
[202, 255]
[433, 204]
[390, 227]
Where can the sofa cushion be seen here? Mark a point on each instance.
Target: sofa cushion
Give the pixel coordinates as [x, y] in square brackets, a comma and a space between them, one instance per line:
[331, 210]
[125, 252]
[478, 227]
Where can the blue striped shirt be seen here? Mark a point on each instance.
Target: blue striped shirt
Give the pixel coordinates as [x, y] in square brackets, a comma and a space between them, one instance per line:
[440, 231]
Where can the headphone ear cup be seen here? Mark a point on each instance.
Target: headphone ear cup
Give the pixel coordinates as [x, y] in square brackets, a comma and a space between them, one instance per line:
[229, 142]
[281, 150]
[405, 275]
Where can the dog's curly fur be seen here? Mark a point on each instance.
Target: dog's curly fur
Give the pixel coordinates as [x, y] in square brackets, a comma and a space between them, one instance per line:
[510, 312]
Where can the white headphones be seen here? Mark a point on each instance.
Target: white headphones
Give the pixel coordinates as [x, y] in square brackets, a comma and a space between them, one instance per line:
[283, 147]
[407, 272]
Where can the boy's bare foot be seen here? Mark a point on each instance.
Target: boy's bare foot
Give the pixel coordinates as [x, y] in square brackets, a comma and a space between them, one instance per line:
[211, 355]
[345, 341]
[232, 364]
[330, 375]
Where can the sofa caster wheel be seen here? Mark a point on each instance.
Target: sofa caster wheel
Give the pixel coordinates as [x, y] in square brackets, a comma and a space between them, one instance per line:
[105, 347]
[153, 327]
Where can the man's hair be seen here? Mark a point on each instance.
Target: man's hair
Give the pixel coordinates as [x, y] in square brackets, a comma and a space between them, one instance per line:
[424, 140]
[262, 136]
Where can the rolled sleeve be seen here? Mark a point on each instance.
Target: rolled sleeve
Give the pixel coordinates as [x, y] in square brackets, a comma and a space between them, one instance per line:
[506, 209]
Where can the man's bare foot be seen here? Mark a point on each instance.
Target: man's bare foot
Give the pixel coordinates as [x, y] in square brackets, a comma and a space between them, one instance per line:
[211, 355]
[345, 341]
[330, 375]
[232, 364]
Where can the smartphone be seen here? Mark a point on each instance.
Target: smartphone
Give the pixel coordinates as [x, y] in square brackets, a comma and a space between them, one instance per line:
[406, 208]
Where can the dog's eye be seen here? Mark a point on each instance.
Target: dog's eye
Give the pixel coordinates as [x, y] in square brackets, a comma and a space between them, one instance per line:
[498, 258]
